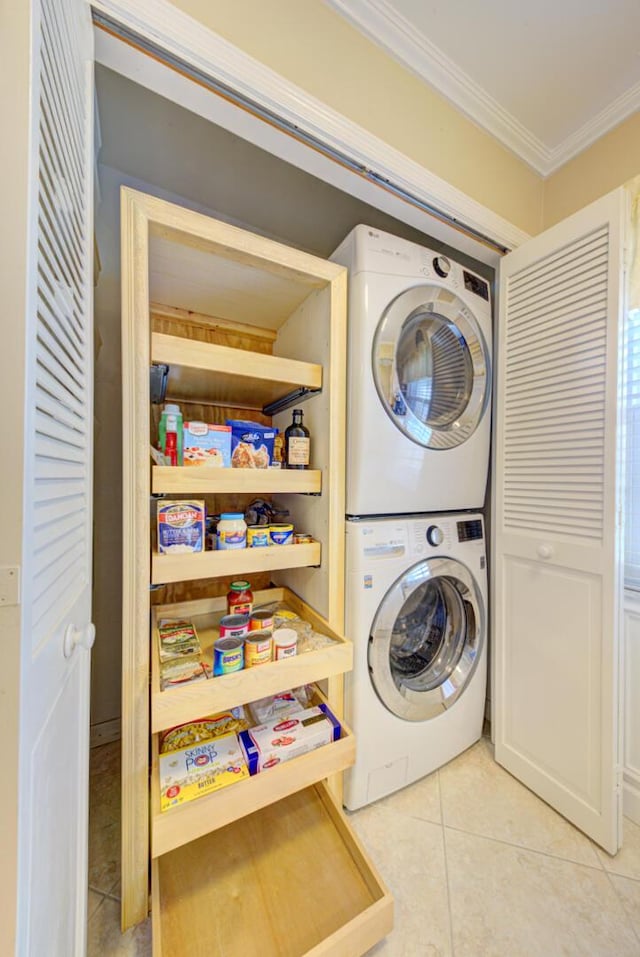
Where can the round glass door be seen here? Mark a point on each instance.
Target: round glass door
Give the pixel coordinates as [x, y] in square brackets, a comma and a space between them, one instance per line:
[431, 367]
[426, 639]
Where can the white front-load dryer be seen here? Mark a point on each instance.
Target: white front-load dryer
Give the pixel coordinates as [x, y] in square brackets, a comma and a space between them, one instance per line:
[419, 378]
[416, 610]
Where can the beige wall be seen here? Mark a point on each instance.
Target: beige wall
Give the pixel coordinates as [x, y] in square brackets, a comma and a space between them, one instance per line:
[310, 45]
[610, 162]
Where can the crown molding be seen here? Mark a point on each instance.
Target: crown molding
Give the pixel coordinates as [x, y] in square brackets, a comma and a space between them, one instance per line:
[162, 24]
[381, 22]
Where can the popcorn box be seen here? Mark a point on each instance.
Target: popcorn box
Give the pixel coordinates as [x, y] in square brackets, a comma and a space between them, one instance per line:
[199, 769]
[288, 737]
[207, 445]
[180, 527]
[251, 444]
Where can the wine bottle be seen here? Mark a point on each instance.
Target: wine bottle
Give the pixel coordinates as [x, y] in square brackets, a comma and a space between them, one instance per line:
[296, 443]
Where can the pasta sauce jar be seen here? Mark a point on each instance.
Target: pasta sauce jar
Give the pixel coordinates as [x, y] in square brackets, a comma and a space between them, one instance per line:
[239, 599]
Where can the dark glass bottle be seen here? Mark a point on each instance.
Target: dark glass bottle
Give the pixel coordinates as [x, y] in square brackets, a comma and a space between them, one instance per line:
[296, 443]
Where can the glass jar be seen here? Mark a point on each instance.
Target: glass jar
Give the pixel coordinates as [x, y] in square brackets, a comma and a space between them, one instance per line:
[232, 531]
[239, 599]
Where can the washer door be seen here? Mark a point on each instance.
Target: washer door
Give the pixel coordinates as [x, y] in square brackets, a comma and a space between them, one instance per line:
[431, 367]
[426, 639]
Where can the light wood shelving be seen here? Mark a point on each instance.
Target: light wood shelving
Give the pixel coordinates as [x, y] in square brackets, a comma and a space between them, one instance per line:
[269, 864]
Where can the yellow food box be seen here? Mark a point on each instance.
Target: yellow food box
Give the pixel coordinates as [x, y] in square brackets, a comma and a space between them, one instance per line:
[199, 769]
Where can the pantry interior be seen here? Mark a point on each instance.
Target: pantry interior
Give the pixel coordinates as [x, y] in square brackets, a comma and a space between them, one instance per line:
[272, 199]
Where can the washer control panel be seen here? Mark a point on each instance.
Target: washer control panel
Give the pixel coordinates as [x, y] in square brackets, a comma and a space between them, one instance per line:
[435, 535]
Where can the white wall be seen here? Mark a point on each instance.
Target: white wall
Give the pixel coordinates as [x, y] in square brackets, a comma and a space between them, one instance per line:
[631, 689]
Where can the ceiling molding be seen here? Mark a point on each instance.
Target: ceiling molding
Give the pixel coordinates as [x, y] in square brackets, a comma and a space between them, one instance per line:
[381, 22]
[159, 22]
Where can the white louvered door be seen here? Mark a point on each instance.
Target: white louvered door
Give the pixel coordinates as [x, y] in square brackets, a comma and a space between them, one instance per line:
[557, 556]
[57, 543]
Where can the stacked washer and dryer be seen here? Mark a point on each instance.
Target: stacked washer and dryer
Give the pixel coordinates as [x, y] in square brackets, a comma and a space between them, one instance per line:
[418, 439]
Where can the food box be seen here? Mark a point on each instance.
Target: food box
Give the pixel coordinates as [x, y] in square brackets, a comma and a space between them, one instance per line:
[180, 527]
[251, 444]
[199, 769]
[177, 639]
[204, 729]
[179, 671]
[207, 445]
[288, 737]
[274, 706]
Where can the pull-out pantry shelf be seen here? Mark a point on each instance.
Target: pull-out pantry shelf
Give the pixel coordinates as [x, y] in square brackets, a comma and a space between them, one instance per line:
[290, 880]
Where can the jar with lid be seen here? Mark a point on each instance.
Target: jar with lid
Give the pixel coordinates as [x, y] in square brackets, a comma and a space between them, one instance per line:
[239, 599]
[232, 531]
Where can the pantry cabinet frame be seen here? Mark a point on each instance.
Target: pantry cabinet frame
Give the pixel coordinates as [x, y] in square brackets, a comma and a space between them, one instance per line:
[143, 216]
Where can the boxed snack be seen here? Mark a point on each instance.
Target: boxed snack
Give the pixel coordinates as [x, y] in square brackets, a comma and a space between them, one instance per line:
[208, 445]
[180, 527]
[204, 729]
[199, 769]
[288, 737]
[251, 444]
[177, 639]
[274, 706]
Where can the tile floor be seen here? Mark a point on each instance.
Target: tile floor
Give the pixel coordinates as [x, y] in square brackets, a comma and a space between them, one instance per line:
[478, 866]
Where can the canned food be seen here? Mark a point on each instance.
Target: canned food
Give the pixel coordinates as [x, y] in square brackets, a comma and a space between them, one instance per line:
[258, 536]
[228, 655]
[260, 619]
[281, 534]
[234, 626]
[285, 643]
[302, 538]
[257, 649]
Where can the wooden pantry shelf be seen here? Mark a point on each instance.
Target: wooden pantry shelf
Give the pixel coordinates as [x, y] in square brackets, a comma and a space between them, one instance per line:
[187, 822]
[185, 479]
[290, 879]
[241, 561]
[196, 699]
[206, 372]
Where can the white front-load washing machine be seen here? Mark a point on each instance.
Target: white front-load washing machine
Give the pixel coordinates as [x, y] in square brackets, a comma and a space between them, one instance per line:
[416, 610]
[419, 378]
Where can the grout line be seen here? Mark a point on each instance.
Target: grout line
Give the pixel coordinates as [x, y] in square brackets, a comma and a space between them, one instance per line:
[534, 850]
[446, 866]
[620, 900]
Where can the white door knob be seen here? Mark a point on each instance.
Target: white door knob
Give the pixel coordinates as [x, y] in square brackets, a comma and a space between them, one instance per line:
[545, 551]
[73, 636]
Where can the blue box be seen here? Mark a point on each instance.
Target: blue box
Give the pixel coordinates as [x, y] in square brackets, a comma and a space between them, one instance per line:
[275, 749]
[251, 444]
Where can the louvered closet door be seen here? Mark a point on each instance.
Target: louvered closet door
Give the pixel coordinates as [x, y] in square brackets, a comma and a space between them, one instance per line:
[57, 547]
[557, 560]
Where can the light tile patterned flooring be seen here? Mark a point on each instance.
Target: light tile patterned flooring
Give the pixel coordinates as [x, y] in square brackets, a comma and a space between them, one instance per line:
[478, 866]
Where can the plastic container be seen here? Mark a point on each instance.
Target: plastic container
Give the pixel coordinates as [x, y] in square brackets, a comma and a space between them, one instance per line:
[281, 534]
[239, 599]
[285, 643]
[171, 421]
[231, 531]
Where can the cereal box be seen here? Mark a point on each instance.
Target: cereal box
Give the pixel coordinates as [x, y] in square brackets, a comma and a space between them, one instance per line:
[180, 527]
[208, 445]
[199, 769]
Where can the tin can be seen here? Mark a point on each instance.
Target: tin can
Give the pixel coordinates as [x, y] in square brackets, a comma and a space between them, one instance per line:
[302, 538]
[260, 619]
[228, 655]
[234, 626]
[285, 643]
[258, 536]
[281, 534]
[257, 649]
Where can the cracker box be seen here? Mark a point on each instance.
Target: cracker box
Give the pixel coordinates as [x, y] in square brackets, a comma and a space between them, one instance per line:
[268, 745]
[180, 527]
[207, 445]
[251, 444]
[199, 769]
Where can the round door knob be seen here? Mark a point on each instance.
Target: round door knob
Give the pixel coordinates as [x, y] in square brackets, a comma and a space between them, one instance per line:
[442, 266]
[435, 535]
[545, 551]
[84, 637]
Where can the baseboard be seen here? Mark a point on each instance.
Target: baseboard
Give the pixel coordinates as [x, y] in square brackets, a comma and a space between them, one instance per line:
[105, 732]
[631, 796]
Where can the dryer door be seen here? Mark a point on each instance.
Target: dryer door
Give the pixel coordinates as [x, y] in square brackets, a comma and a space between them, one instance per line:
[426, 639]
[431, 367]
